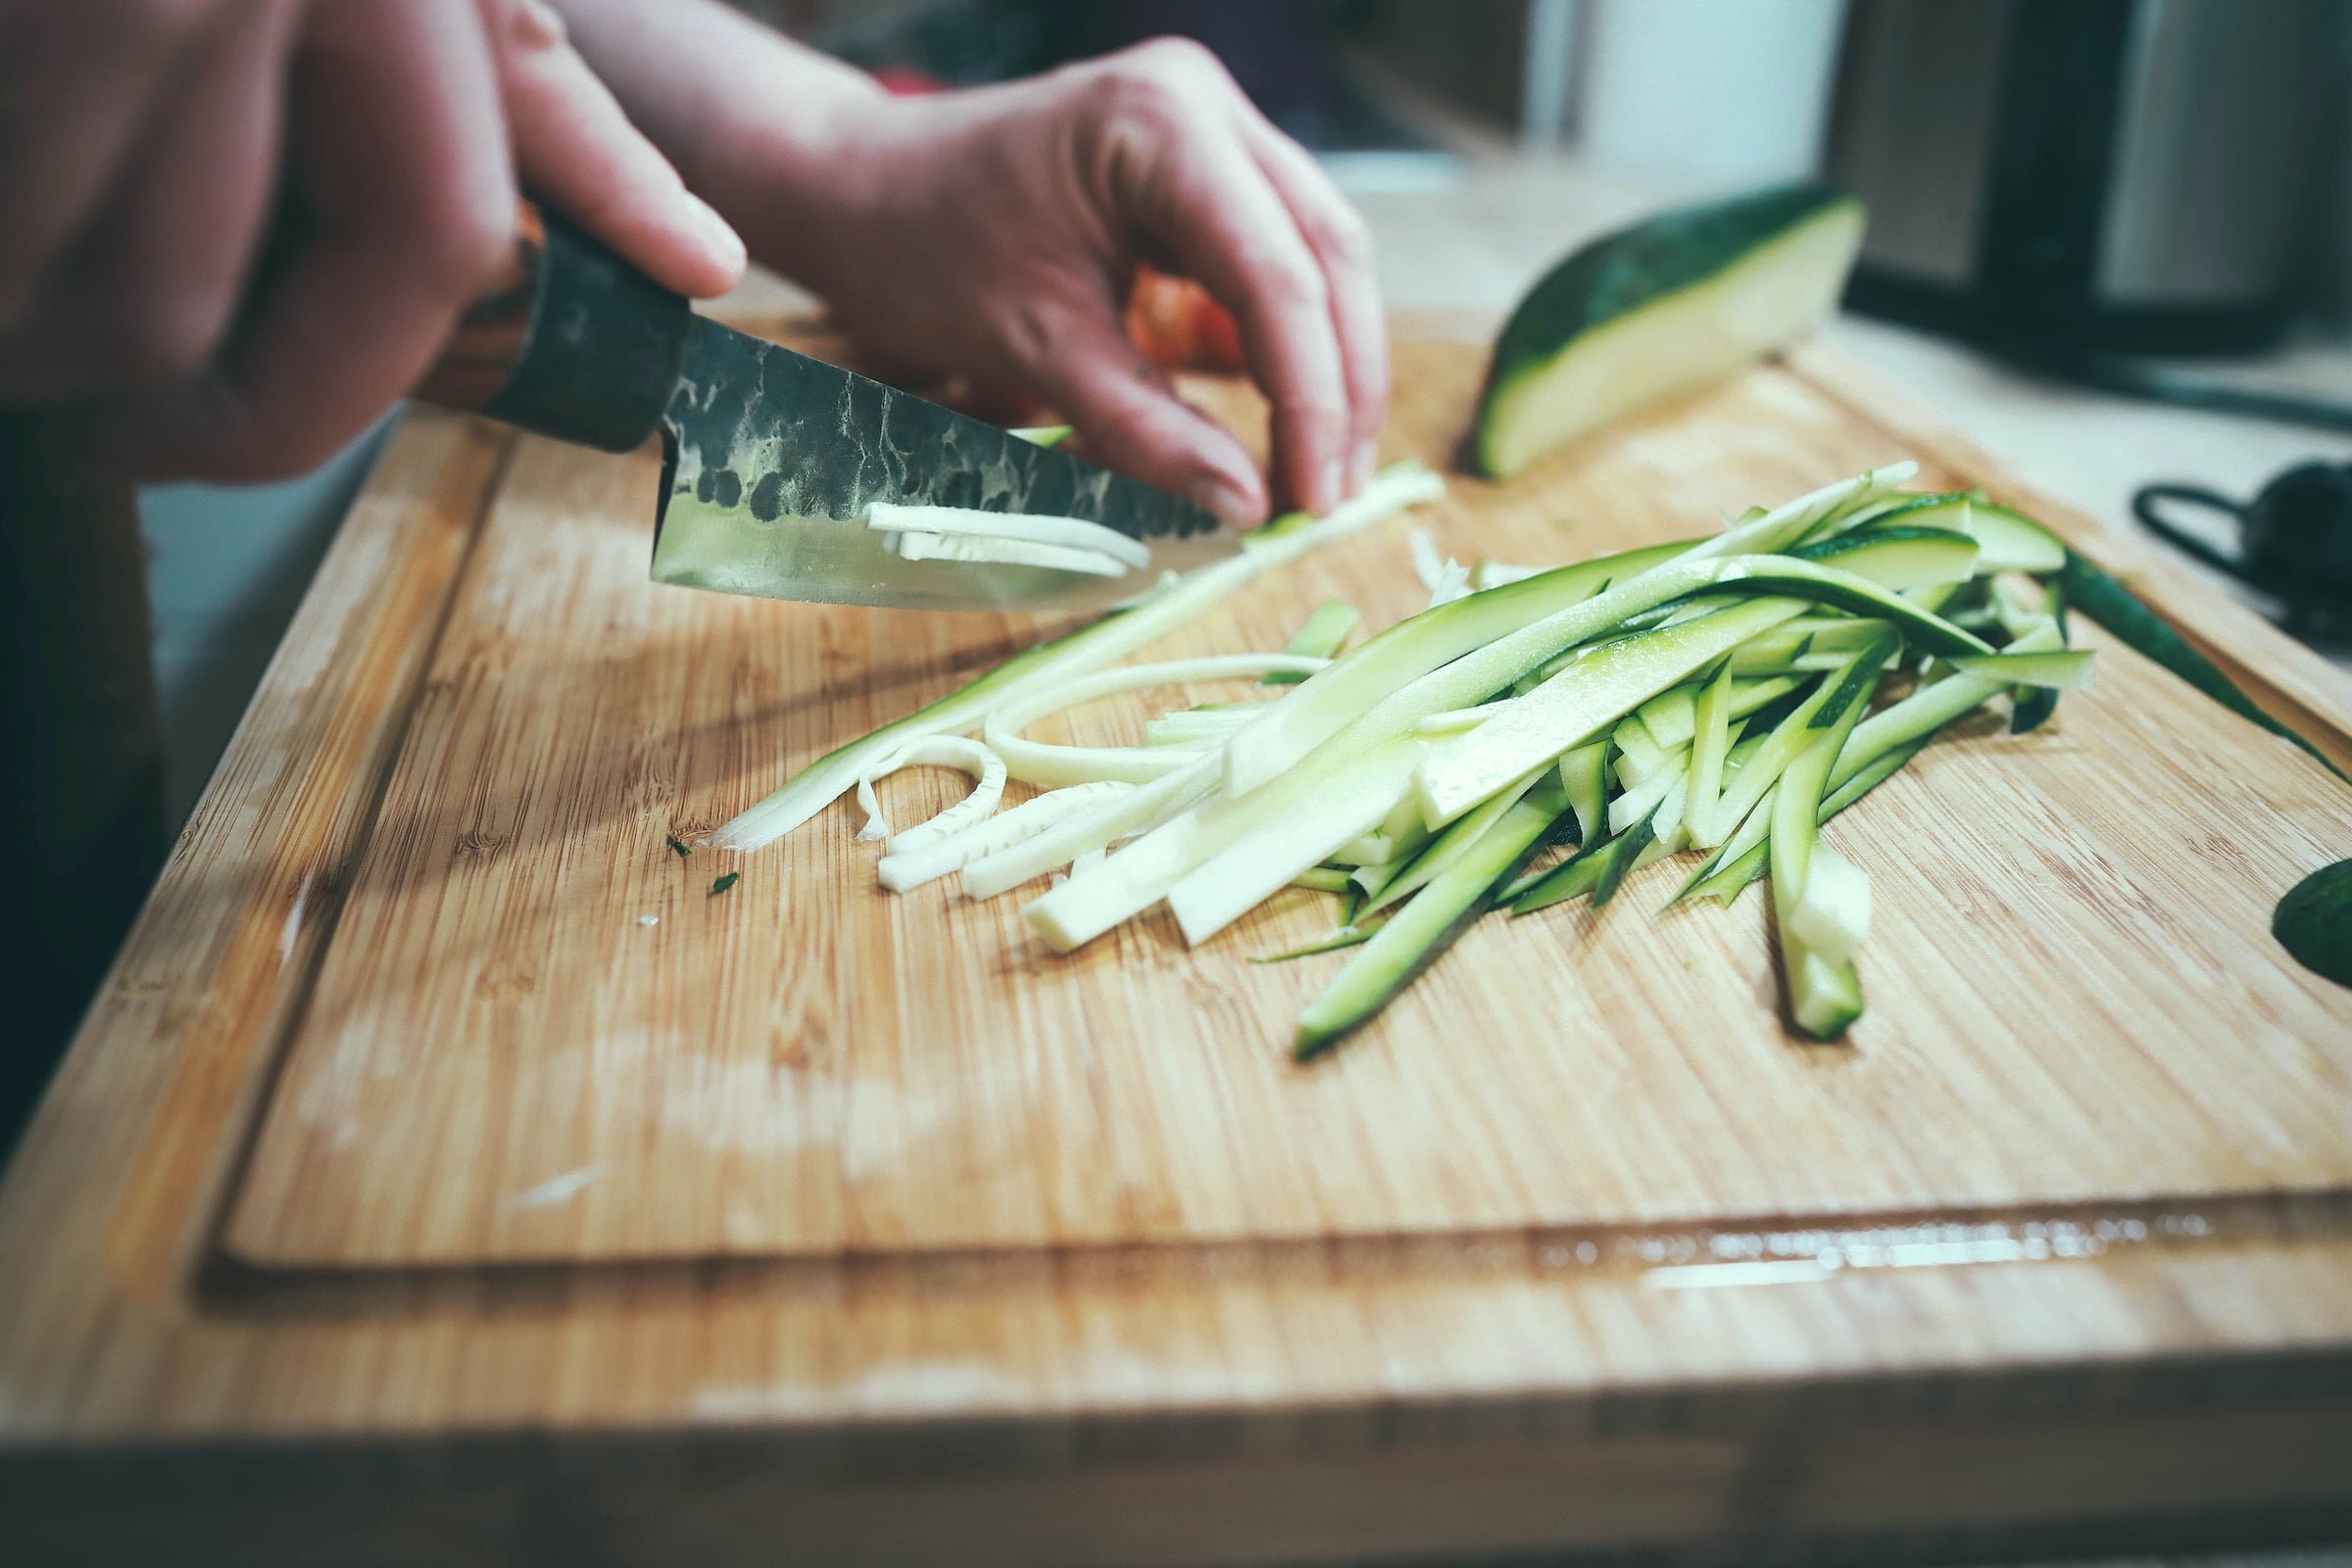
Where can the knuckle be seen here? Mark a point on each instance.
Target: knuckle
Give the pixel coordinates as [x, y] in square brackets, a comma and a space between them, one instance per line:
[1180, 57]
[1160, 77]
[178, 331]
[1344, 237]
[458, 249]
[1291, 284]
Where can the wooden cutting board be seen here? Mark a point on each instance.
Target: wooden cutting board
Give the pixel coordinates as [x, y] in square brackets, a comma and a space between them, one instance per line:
[435, 1092]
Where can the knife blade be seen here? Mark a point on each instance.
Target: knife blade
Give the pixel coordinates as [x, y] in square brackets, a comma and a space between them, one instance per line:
[772, 457]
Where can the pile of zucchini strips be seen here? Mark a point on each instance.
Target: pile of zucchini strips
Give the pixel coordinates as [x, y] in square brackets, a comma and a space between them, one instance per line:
[1727, 695]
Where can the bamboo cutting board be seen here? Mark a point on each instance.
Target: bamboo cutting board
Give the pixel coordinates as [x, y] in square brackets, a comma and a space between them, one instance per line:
[437, 1106]
[2074, 996]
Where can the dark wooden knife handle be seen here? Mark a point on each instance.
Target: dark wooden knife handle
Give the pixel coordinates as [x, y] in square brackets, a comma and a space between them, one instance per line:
[572, 342]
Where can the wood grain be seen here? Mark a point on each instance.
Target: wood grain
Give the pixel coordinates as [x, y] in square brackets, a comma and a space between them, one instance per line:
[505, 1061]
[2101, 1270]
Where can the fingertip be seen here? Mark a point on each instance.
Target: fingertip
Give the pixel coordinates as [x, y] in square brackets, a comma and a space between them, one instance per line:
[1232, 503]
[723, 257]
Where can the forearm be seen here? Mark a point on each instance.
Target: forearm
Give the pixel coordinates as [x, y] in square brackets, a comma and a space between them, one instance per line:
[759, 125]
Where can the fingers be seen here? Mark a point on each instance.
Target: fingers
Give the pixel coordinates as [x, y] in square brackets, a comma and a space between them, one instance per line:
[1343, 246]
[1176, 159]
[154, 283]
[80, 82]
[402, 160]
[1132, 420]
[577, 151]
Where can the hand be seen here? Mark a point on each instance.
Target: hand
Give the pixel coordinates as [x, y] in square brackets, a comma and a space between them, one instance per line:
[994, 232]
[145, 144]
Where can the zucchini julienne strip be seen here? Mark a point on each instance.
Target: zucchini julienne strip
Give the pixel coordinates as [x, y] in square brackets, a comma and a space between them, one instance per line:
[901, 869]
[1078, 652]
[1513, 629]
[1323, 635]
[1824, 989]
[1075, 534]
[2103, 599]
[1728, 881]
[1326, 702]
[1052, 765]
[1412, 939]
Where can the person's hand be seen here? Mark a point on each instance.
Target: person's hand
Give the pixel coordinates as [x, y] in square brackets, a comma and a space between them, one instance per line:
[994, 231]
[145, 146]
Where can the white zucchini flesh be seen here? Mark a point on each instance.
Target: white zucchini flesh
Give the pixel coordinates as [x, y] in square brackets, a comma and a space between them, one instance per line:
[1005, 551]
[1262, 861]
[1566, 711]
[1584, 601]
[1711, 743]
[1187, 727]
[1928, 708]
[1454, 582]
[2064, 669]
[1638, 756]
[1428, 565]
[1442, 851]
[901, 869]
[1330, 804]
[1145, 810]
[1643, 799]
[1184, 600]
[940, 751]
[1068, 533]
[1833, 913]
[1052, 765]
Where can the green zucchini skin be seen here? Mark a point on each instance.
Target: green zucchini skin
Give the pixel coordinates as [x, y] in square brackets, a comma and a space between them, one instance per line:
[2093, 592]
[2314, 922]
[1642, 269]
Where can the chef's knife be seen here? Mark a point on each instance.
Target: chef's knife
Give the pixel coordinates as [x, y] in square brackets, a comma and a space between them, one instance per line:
[771, 458]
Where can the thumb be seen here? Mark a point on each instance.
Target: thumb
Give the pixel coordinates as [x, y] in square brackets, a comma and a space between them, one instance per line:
[575, 149]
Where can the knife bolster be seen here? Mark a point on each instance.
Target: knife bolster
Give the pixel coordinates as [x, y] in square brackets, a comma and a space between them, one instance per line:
[574, 343]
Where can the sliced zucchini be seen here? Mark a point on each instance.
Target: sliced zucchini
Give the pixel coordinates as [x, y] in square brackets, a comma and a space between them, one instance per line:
[1324, 634]
[2093, 592]
[1663, 307]
[2066, 669]
[1412, 938]
[1825, 992]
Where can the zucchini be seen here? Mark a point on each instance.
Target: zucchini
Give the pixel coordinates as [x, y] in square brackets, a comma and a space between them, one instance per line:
[1824, 989]
[2314, 922]
[2066, 669]
[2093, 592]
[1324, 634]
[2010, 541]
[1710, 744]
[1075, 653]
[1664, 308]
[1412, 938]
[1580, 701]
[1710, 881]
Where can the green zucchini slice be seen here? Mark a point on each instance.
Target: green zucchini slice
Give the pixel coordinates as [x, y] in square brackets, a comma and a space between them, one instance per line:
[1663, 307]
